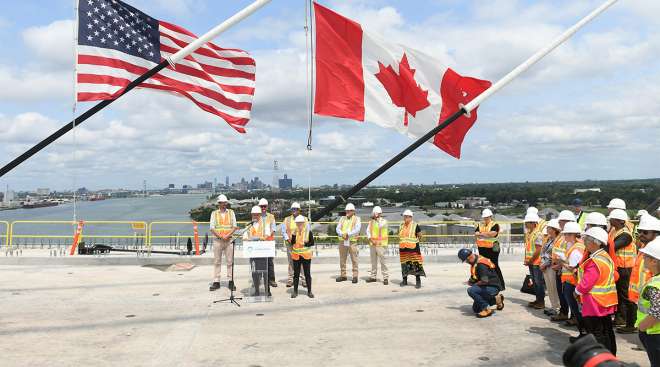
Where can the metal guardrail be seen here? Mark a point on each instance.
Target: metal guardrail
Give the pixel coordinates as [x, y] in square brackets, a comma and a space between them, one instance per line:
[6, 234]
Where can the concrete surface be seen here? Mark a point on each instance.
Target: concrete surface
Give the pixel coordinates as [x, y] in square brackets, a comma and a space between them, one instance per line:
[140, 316]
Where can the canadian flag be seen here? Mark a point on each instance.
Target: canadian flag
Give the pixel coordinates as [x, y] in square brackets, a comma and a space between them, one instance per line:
[360, 77]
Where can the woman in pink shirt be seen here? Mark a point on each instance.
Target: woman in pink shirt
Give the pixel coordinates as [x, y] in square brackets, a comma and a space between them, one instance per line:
[597, 290]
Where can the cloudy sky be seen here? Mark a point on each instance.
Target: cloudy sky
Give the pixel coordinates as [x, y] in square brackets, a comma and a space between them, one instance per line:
[589, 111]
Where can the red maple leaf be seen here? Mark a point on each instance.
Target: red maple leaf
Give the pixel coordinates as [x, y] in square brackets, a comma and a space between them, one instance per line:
[402, 88]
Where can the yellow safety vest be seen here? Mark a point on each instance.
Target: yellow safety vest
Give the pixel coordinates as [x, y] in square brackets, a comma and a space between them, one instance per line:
[379, 233]
[270, 219]
[223, 221]
[644, 305]
[487, 242]
[530, 243]
[347, 225]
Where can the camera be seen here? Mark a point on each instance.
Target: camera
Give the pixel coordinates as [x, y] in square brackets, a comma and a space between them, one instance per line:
[586, 351]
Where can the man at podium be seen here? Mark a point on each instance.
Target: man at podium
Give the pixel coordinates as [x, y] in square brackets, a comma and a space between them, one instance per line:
[260, 266]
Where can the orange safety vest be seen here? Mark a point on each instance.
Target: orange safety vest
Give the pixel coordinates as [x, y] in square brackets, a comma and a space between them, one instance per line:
[256, 231]
[568, 276]
[638, 277]
[530, 243]
[407, 238]
[290, 225]
[558, 247]
[624, 257]
[223, 221]
[480, 260]
[265, 227]
[298, 249]
[486, 242]
[604, 291]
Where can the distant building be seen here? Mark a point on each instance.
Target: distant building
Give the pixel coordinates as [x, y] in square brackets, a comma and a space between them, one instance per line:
[226, 181]
[43, 191]
[579, 191]
[186, 187]
[9, 197]
[170, 186]
[285, 183]
[207, 185]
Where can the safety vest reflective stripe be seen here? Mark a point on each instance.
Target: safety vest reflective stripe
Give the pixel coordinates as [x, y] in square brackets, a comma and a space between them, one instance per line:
[266, 228]
[298, 249]
[558, 247]
[644, 305]
[530, 243]
[604, 291]
[480, 260]
[487, 242]
[223, 221]
[347, 225]
[568, 276]
[638, 277]
[379, 233]
[407, 238]
[625, 257]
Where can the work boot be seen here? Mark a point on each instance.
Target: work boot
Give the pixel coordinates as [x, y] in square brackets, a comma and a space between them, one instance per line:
[531, 304]
[272, 283]
[294, 294]
[303, 283]
[268, 294]
[626, 330]
[404, 282]
[539, 306]
[571, 322]
[619, 321]
[499, 301]
[310, 294]
[341, 279]
[256, 293]
[485, 313]
[559, 317]
[386, 282]
[355, 280]
[418, 282]
[289, 283]
[371, 280]
[232, 286]
[214, 286]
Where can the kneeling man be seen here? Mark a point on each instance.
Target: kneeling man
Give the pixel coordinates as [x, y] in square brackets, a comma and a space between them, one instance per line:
[484, 283]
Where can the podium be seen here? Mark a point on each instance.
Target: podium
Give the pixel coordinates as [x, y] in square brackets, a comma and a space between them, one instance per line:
[258, 253]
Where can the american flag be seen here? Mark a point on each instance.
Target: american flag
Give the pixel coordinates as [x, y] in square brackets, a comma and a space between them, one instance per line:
[117, 43]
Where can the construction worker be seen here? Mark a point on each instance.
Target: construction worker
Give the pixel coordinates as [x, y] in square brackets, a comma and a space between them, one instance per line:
[550, 274]
[256, 232]
[597, 290]
[648, 230]
[621, 205]
[595, 219]
[580, 215]
[486, 235]
[484, 283]
[348, 230]
[559, 250]
[268, 227]
[533, 246]
[622, 250]
[301, 253]
[569, 262]
[648, 315]
[223, 225]
[288, 227]
[410, 253]
[378, 233]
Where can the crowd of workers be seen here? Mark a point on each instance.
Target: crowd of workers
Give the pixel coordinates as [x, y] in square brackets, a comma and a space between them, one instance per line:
[600, 273]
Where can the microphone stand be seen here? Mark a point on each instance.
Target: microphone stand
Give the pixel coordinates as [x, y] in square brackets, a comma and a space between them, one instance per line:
[231, 298]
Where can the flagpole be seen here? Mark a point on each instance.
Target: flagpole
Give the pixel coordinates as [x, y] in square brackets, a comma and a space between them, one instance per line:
[466, 109]
[208, 36]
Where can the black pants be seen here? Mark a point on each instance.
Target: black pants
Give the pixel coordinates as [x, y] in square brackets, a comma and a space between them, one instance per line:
[602, 329]
[563, 305]
[307, 268]
[628, 309]
[271, 270]
[652, 345]
[493, 256]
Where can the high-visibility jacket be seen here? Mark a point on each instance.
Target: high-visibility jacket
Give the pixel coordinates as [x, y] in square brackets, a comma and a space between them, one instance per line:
[604, 291]
[581, 218]
[407, 237]
[346, 225]
[480, 260]
[623, 257]
[483, 241]
[558, 248]
[568, 276]
[530, 243]
[298, 248]
[255, 231]
[378, 231]
[223, 222]
[638, 277]
[290, 225]
[644, 305]
[266, 227]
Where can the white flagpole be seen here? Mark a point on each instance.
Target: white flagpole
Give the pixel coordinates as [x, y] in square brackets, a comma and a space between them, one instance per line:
[208, 36]
[536, 57]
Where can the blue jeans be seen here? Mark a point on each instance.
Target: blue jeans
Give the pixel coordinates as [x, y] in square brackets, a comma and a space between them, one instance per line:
[483, 296]
[562, 300]
[539, 284]
[567, 293]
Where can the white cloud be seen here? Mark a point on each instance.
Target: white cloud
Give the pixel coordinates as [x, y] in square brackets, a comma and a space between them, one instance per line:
[53, 44]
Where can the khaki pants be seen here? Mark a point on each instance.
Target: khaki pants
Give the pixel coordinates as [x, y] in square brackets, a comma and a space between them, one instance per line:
[377, 254]
[550, 277]
[290, 277]
[343, 254]
[222, 247]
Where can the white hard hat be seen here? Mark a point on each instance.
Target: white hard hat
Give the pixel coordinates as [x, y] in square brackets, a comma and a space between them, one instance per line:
[641, 213]
[652, 248]
[572, 228]
[486, 213]
[407, 213]
[617, 203]
[295, 205]
[255, 210]
[532, 218]
[300, 219]
[596, 219]
[619, 214]
[376, 210]
[566, 215]
[350, 206]
[648, 223]
[554, 223]
[532, 209]
[263, 201]
[222, 199]
[597, 233]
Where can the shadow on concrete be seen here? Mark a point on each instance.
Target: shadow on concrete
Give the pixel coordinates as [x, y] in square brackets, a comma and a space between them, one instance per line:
[556, 339]
[523, 303]
[466, 310]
